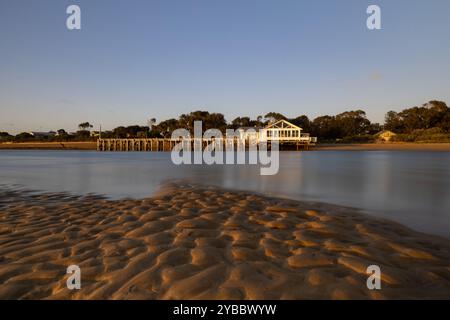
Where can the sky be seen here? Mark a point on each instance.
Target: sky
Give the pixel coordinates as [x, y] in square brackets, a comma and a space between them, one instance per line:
[133, 60]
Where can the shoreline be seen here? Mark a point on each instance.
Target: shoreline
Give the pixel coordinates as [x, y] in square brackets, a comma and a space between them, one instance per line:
[397, 146]
[200, 242]
[392, 146]
[76, 145]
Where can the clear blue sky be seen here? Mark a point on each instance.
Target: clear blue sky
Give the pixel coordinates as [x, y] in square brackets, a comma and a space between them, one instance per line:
[138, 59]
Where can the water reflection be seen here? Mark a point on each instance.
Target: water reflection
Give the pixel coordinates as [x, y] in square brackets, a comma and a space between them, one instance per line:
[410, 187]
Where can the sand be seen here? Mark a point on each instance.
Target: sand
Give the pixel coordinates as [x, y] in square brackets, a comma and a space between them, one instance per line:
[194, 242]
[387, 146]
[397, 146]
[84, 145]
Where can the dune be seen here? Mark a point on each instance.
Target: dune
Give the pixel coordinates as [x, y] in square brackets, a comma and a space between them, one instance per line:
[199, 242]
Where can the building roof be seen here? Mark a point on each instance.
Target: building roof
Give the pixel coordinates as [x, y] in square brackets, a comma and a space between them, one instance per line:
[283, 124]
[35, 133]
[385, 132]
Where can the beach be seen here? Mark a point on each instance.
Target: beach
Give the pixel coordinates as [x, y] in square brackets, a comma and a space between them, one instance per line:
[397, 146]
[388, 146]
[190, 241]
[76, 145]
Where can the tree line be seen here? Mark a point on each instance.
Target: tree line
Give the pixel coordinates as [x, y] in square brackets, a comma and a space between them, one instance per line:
[429, 122]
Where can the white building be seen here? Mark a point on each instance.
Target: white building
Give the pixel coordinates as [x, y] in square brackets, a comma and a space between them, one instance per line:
[42, 134]
[282, 131]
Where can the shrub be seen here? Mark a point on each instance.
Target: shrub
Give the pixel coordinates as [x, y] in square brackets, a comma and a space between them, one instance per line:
[365, 138]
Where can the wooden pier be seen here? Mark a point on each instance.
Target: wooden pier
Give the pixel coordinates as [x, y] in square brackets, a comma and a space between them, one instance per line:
[160, 144]
[287, 135]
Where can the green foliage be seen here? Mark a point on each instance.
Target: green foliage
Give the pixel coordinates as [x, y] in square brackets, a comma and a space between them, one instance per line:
[434, 114]
[325, 128]
[274, 116]
[428, 123]
[423, 135]
[5, 136]
[364, 138]
[302, 122]
[84, 126]
[352, 123]
[83, 135]
[166, 127]
[344, 125]
[23, 137]
[209, 120]
[240, 122]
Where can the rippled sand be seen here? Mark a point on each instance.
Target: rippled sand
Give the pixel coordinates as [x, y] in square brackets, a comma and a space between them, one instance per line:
[192, 242]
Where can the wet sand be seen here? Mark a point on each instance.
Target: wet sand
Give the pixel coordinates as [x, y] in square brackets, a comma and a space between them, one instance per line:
[194, 242]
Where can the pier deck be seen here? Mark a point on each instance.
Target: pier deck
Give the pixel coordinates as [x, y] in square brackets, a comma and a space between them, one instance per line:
[165, 144]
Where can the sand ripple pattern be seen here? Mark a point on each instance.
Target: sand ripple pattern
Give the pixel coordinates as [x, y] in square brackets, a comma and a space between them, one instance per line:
[194, 242]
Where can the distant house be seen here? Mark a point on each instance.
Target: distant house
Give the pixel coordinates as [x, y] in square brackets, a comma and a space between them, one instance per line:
[42, 134]
[95, 134]
[385, 135]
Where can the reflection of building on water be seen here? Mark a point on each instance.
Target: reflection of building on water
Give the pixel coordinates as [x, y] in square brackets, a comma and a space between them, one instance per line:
[282, 132]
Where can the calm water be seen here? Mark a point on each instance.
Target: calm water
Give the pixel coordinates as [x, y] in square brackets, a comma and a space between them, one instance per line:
[409, 187]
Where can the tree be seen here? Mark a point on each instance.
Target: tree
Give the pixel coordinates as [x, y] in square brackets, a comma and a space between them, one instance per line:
[439, 106]
[325, 127]
[120, 132]
[433, 114]
[352, 123]
[273, 117]
[374, 128]
[302, 122]
[241, 122]
[166, 127]
[393, 122]
[413, 118]
[5, 136]
[151, 122]
[132, 131]
[216, 121]
[23, 136]
[85, 126]
[83, 134]
[346, 124]
[209, 120]
[445, 122]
